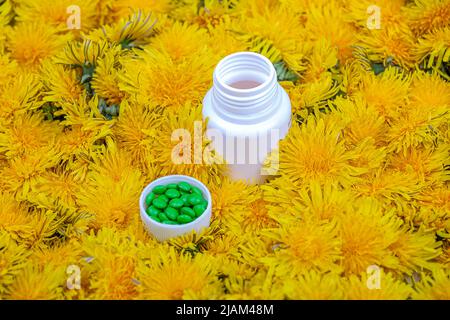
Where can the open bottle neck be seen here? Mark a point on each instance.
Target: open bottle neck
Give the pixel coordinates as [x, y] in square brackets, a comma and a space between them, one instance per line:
[245, 105]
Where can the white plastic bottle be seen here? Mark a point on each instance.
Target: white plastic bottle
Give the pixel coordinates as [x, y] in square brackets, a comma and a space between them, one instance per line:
[249, 112]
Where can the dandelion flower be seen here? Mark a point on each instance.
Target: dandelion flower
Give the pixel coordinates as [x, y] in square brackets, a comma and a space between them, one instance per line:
[358, 288]
[135, 129]
[315, 152]
[34, 283]
[305, 245]
[13, 258]
[172, 276]
[427, 15]
[112, 190]
[31, 43]
[55, 12]
[415, 250]
[313, 285]
[183, 147]
[433, 287]
[366, 234]
[161, 80]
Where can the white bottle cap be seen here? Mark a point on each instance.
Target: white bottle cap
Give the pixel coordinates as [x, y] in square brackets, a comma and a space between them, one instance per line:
[165, 231]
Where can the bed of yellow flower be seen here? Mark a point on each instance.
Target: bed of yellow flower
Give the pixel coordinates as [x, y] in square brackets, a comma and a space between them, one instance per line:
[86, 118]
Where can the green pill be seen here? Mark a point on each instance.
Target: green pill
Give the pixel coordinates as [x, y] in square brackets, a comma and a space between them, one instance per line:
[185, 198]
[176, 203]
[153, 211]
[155, 218]
[172, 193]
[149, 198]
[184, 186]
[172, 186]
[197, 191]
[194, 199]
[187, 212]
[171, 213]
[184, 219]
[162, 216]
[159, 189]
[164, 197]
[169, 222]
[199, 209]
[159, 203]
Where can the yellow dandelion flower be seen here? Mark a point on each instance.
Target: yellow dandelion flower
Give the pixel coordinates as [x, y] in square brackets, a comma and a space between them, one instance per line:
[27, 134]
[390, 187]
[62, 255]
[434, 287]
[214, 12]
[386, 93]
[434, 209]
[31, 43]
[323, 202]
[314, 286]
[426, 111]
[161, 80]
[271, 31]
[180, 40]
[10, 69]
[123, 8]
[390, 45]
[257, 217]
[14, 217]
[368, 155]
[305, 245]
[359, 288]
[340, 33]
[38, 283]
[426, 164]
[315, 151]
[171, 276]
[432, 49]
[415, 250]
[55, 13]
[364, 121]
[208, 239]
[105, 81]
[20, 94]
[114, 279]
[366, 234]
[231, 200]
[134, 131]
[61, 185]
[312, 93]
[279, 194]
[430, 93]
[427, 15]
[322, 56]
[23, 172]
[60, 83]
[223, 41]
[13, 258]
[112, 190]
[183, 147]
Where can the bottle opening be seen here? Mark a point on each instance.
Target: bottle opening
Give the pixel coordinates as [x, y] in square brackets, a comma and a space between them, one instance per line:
[244, 73]
[245, 84]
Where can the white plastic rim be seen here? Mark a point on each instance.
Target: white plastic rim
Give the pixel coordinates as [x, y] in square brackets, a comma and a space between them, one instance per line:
[162, 231]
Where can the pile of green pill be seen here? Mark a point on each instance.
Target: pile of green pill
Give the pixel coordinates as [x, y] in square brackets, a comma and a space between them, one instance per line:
[175, 203]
